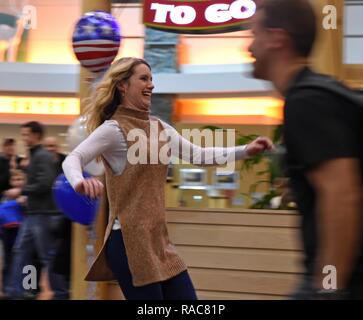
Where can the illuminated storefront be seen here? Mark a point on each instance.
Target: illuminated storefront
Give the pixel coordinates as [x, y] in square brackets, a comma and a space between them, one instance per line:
[212, 85]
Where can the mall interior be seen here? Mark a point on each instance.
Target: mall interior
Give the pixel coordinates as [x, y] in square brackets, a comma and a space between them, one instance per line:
[238, 239]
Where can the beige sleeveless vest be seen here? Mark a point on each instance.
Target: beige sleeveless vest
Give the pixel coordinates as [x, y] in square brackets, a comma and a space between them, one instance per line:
[137, 199]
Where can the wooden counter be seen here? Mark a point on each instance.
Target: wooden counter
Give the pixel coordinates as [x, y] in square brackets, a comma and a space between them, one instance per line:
[251, 254]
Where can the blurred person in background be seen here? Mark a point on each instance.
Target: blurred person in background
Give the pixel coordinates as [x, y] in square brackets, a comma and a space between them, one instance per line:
[36, 232]
[323, 134]
[9, 225]
[52, 145]
[8, 160]
[63, 228]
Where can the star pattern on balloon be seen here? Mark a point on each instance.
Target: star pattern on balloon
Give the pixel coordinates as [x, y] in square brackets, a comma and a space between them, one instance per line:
[88, 28]
[106, 29]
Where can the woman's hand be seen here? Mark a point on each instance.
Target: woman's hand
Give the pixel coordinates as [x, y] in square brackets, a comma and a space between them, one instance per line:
[259, 145]
[90, 187]
[22, 200]
[12, 193]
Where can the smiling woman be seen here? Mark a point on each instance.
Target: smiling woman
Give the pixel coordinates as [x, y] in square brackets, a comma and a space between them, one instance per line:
[137, 251]
[137, 91]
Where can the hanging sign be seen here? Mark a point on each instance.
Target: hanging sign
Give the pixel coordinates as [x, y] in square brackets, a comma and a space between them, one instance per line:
[198, 16]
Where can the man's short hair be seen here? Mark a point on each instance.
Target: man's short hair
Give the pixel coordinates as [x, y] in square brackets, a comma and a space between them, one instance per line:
[8, 142]
[35, 127]
[297, 18]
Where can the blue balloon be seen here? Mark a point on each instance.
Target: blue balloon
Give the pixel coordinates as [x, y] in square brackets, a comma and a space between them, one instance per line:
[75, 206]
[11, 214]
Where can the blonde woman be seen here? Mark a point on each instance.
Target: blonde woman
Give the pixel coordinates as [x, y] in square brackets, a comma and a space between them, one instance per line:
[137, 251]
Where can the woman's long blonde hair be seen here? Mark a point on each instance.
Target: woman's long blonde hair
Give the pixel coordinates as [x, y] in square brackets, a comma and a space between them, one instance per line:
[104, 100]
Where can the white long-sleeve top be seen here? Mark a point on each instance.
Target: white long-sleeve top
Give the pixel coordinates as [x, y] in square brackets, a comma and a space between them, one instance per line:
[109, 141]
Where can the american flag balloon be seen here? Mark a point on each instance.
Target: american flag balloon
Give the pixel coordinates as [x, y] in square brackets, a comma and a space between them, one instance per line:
[96, 40]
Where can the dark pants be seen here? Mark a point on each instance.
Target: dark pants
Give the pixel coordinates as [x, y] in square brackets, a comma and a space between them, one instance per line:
[179, 287]
[36, 234]
[8, 237]
[62, 259]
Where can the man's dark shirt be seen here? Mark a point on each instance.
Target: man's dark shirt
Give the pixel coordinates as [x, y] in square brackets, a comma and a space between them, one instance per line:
[41, 173]
[319, 126]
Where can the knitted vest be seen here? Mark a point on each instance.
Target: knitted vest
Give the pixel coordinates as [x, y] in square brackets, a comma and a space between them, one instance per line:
[137, 199]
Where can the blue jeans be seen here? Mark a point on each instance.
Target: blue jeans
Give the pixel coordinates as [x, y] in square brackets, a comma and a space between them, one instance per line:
[36, 234]
[179, 287]
[9, 237]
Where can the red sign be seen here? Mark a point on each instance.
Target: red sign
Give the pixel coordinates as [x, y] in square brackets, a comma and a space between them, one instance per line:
[194, 16]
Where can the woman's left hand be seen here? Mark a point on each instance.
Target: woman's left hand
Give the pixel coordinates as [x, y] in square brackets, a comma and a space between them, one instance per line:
[259, 145]
[12, 193]
[22, 200]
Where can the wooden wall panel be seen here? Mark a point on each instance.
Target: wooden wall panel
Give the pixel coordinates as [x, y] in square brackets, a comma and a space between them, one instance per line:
[240, 281]
[253, 254]
[229, 217]
[241, 259]
[234, 236]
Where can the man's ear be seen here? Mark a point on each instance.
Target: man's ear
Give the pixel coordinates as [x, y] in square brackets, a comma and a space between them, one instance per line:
[279, 39]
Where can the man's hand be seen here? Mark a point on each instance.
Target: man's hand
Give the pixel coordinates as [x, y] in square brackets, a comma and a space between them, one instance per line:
[259, 145]
[90, 187]
[12, 193]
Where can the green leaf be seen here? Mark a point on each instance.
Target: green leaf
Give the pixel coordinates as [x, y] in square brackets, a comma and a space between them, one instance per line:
[213, 128]
[246, 139]
[277, 134]
[261, 173]
[254, 186]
